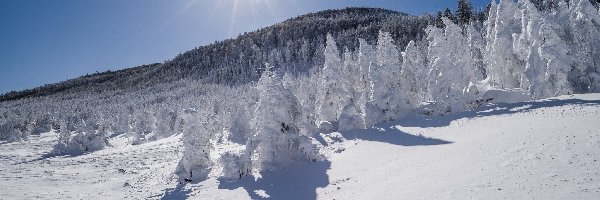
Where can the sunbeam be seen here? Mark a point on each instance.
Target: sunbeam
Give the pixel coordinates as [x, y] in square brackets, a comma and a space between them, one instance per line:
[232, 20]
[234, 12]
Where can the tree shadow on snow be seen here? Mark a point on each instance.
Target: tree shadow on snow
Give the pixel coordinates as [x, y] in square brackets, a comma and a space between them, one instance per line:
[392, 136]
[178, 192]
[491, 110]
[64, 155]
[299, 182]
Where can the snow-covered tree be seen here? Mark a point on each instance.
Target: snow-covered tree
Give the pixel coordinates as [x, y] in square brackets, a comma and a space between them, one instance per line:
[476, 44]
[584, 24]
[503, 68]
[13, 130]
[555, 52]
[276, 142]
[351, 117]
[143, 127]
[305, 92]
[88, 137]
[452, 83]
[541, 44]
[199, 129]
[527, 48]
[332, 95]
[64, 136]
[385, 80]
[365, 61]
[235, 165]
[414, 73]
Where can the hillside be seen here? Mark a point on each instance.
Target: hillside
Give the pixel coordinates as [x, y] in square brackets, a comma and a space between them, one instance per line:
[545, 149]
[294, 45]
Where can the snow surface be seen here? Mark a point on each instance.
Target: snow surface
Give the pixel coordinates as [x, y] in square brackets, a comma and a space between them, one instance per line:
[546, 149]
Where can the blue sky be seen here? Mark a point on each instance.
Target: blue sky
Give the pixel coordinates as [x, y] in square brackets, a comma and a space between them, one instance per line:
[45, 41]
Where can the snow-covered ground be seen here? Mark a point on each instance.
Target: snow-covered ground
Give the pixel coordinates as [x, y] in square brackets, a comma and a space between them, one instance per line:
[546, 149]
[26, 172]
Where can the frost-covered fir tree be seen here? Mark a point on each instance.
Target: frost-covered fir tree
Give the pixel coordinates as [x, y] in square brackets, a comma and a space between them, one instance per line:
[13, 130]
[503, 68]
[556, 54]
[414, 73]
[527, 48]
[554, 41]
[452, 83]
[332, 95]
[476, 44]
[365, 61]
[303, 87]
[235, 165]
[276, 142]
[64, 136]
[199, 129]
[584, 22]
[351, 117]
[541, 44]
[88, 136]
[391, 102]
[165, 122]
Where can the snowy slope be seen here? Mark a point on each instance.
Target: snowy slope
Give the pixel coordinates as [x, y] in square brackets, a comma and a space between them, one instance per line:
[25, 172]
[546, 149]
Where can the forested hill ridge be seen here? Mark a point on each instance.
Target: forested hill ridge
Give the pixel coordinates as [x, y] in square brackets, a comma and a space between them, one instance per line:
[295, 45]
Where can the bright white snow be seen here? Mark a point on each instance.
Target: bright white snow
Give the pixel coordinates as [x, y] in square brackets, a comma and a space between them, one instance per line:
[546, 149]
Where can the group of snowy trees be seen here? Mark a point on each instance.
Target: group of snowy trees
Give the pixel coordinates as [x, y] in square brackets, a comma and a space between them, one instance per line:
[546, 50]
[549, 48]
[296, 45]
[354, 90]
[549, 52]
[263, 131]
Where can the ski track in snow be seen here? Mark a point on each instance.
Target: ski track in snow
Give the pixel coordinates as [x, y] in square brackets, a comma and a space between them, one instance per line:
[547, 149]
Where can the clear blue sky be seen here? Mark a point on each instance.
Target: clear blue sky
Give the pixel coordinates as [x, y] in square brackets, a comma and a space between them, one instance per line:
[44, 41]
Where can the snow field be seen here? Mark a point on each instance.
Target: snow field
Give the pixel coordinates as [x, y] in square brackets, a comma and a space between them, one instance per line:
[546, 149]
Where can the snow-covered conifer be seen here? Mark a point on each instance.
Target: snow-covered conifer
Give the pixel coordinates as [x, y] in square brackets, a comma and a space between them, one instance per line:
[452, 83]
[86, 138]
[64, 136]
[196, 163]
[527, 48]
[503, 67]
[332, 96]
[365, 61]
[555, 52]
[385, 80]
[351, 117]
[414, 73]
[584, 22]
[276, 142]
[307, 96]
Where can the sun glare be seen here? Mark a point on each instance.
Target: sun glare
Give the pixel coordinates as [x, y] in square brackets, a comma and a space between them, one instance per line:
[236, 10]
